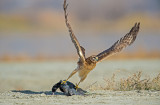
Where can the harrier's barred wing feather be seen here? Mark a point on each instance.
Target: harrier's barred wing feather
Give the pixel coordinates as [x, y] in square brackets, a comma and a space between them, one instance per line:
[128, 39]
[73, 37]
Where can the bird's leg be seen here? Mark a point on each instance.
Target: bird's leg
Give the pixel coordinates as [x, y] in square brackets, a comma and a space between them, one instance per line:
[73, 72]
[77, 85]
[64, 81]
[82, 79]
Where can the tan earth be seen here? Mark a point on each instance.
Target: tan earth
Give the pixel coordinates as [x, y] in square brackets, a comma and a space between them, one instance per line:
[93, 98]
[30, 83]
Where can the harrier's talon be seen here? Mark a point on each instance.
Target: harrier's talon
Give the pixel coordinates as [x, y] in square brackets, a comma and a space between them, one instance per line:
[63, 82]
[76, 86]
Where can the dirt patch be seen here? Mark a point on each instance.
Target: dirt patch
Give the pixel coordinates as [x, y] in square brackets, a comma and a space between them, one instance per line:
[31, 83]
[28, 97]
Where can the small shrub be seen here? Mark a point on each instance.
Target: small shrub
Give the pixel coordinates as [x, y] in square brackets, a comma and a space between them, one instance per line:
[133, 82]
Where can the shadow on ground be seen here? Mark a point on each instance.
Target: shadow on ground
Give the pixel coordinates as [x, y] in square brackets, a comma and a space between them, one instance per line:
[41, 92]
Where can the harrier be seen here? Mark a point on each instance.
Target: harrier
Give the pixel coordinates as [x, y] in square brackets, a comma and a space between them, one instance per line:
[85, 65]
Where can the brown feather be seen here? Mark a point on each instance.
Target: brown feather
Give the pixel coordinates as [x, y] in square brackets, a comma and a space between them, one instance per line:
[73, 37]
[128, 39]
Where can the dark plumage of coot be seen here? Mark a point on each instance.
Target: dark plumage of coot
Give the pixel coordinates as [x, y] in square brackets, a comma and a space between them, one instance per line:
[68, 89]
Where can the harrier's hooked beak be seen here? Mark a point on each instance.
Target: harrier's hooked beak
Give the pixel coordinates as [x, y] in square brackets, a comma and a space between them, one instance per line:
[96, 58]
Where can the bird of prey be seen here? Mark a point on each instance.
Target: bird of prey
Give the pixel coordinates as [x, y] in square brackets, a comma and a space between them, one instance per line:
[87, 64]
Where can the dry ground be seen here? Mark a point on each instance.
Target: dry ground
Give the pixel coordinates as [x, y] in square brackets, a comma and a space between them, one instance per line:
[93, 98]
[30, 83]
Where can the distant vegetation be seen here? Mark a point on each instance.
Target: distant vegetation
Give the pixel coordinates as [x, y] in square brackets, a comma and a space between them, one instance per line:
[42, 57]
[50, 21]
[102, 16]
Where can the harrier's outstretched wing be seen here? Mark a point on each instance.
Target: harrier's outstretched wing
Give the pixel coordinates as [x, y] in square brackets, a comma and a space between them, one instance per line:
[73, 37]
[128, 39]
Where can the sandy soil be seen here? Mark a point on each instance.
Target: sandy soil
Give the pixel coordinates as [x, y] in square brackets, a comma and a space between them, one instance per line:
[28, 97]
[31, 83]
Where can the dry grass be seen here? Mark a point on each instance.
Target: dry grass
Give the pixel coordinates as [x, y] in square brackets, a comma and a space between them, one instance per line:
[133, 82]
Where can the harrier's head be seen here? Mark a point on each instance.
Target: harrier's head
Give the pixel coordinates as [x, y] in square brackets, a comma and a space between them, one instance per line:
[92, 59]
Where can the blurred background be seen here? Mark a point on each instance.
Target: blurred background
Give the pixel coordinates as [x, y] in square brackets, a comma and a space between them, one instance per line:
[36, 50]
[35, 29]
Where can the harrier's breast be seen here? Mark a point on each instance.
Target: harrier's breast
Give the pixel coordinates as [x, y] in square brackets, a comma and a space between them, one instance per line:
[90, 66]
[83, 72]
